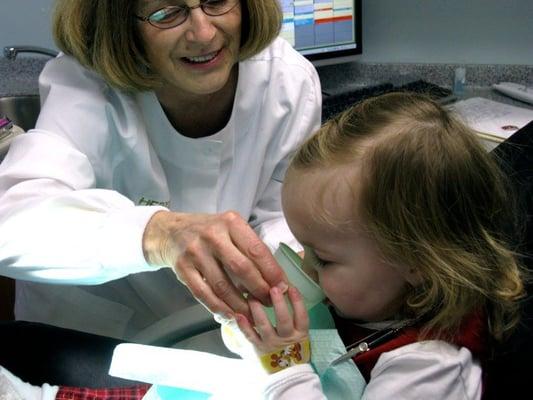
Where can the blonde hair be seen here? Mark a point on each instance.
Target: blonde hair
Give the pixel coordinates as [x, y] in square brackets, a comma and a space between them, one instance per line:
[103, 36]
[433, 200]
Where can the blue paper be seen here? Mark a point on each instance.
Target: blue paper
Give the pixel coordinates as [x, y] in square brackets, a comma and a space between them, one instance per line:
[173, 393]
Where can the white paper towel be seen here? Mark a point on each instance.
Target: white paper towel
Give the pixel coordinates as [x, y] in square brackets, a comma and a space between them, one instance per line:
[225, 378]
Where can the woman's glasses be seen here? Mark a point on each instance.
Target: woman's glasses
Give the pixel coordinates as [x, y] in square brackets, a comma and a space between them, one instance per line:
[172, 16]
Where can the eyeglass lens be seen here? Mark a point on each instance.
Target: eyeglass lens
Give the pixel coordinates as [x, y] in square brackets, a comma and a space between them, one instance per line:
[172, 16]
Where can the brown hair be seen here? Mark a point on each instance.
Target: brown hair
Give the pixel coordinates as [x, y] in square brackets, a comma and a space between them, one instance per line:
[434, 200]
[89, 30]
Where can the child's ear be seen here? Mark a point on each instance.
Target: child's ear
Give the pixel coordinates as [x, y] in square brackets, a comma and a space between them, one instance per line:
[413, 277]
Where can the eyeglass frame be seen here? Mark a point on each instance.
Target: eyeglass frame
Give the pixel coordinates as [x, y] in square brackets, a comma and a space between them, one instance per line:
[187, 9]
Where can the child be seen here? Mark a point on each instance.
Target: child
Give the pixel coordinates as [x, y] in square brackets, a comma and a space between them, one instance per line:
[401, 213]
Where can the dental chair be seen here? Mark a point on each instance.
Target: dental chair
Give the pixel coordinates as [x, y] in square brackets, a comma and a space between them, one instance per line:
[509, 371]
[39, 353]
[193, 328]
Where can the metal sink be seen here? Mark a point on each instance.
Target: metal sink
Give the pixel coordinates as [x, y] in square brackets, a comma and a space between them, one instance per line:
[22, 110]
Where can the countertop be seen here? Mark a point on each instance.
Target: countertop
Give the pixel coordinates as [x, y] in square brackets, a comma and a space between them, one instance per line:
[20, 76]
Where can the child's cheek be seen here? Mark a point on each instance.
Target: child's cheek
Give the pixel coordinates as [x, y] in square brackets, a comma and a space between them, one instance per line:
[327, 285]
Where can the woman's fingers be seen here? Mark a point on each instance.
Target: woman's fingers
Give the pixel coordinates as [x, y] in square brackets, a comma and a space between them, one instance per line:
[256, 268]
[221, 248]
[220, 284]
[224, 265]
[242, 270]
[202, 291]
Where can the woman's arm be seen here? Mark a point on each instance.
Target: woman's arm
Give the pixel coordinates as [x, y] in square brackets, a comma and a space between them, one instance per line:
[56, 226]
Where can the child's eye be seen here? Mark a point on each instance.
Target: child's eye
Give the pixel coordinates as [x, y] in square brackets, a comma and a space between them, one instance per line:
[321, 263]
[312, 260]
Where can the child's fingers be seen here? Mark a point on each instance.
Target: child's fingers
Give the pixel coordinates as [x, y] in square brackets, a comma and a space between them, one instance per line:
[261, 321]
[247, 329]
[301, 318]
[284, 319]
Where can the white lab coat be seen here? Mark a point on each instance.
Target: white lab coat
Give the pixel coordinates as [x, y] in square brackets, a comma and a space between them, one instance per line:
[77, 191]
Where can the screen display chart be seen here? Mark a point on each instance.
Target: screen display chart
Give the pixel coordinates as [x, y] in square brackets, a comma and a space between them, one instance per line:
[318, 26]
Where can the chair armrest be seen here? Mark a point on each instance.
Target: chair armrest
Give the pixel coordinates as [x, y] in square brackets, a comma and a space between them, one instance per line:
[181, 325]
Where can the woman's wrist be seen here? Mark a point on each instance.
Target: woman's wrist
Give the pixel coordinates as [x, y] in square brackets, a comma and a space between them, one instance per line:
[154, 238]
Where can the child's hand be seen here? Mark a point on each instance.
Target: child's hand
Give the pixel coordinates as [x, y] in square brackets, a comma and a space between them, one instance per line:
[286, 344]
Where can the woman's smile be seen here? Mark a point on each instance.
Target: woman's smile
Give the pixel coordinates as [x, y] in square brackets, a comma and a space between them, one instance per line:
[205, 61]
[196, 57]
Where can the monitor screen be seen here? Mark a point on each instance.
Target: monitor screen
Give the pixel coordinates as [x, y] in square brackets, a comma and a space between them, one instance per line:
[328, 30]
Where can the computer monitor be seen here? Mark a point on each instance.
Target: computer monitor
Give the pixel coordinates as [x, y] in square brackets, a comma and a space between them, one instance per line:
[324, 31]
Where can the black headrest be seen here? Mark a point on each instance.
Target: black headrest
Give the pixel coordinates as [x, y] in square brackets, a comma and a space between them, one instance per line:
[516, 152]
[515, 155]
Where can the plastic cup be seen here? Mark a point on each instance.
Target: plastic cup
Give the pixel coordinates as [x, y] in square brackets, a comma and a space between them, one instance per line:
[292, 265]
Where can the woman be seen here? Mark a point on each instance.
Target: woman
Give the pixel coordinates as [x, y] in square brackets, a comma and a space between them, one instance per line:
[164, 134]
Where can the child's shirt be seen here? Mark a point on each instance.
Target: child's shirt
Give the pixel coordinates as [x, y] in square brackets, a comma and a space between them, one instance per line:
[431, 369]
[402, 368]
[423, 370]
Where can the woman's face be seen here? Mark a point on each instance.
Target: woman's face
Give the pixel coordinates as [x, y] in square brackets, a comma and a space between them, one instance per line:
[354, 276]
[197, 56]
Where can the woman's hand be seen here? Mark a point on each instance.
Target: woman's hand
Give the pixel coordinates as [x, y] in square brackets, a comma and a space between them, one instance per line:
[285, 344]
[217, 256]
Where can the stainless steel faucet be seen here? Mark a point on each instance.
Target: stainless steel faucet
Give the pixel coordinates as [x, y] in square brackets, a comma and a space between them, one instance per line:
[10, 52]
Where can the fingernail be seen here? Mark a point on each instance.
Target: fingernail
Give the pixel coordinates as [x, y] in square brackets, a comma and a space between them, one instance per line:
[229, 316]
[282, 286]
[295, 292]
[223, 318]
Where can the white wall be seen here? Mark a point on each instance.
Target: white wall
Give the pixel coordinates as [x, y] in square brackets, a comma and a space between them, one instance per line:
[448, 31]
[420, 31]
[25, 22]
